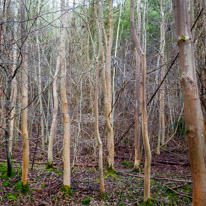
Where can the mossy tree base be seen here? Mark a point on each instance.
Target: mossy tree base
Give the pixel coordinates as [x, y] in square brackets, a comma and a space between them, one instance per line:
[110, 169]
[49, 166]
[24, 189]
[148, 202]
[111, 172]
[103, 195]
[137, 170]
[66, 190]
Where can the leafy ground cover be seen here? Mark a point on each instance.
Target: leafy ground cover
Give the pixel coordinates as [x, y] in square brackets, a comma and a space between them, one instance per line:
[123, 188]
[171, 182]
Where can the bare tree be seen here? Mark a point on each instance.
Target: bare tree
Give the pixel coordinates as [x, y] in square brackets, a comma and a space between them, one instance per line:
[195, 126]
[106, 80]
[143, 107]
[64, 101]
[24, 102]
[137, 94]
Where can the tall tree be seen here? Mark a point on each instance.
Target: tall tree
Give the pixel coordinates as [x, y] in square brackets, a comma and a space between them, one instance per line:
[54, 118]
[39, 71]
[24, 101]
[55, 107]
[64, 101]
[143, 107]
[101, 49]
[14, 82]
[161, 135]
[9, 80]
[137, 94]
[195, 126]
[107, 83]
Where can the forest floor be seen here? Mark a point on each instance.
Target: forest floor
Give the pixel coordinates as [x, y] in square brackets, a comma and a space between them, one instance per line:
[171, 182]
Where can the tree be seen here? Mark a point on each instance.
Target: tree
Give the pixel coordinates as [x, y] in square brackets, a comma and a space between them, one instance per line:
[106, 81]
[24, 102]
[64, 102]
[55, 110]
[9, 81]
[137, 94]
[101, 49]
[143, 107]
[54, 118]
[161, 135]
[195, 126]
[14, 81]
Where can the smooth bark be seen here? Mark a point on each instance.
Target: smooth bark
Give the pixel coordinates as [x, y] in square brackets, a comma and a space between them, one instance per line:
[137, 159]
[24, 100]
[54, 118]
[144, 108]
[64, 102]
[14, 82]
[195, 126]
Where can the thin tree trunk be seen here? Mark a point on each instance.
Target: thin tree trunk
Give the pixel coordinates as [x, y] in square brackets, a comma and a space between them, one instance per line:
[144, 108]
[55, 103]
[106, 81]
[64, 102]
[115, 56]
[108, 99]
[7, 109]
[5, 12]
[195, 126]
[24, 100]
[137, 94]
[54, 118]
[162, 74]
[14, 82]
[40, 85]
[102, 188]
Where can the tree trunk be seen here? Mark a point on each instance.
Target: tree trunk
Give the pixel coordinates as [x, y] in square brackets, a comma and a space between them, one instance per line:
[40, 82]
[144, 108]
[195, 126]
[108, 99]
[54, 118]
[14, 81]
[24, 100]
[162, 90]
[106, 81]
[100, 52]
[137, 94]
[64, 102]
[102, 188]
[56, 105]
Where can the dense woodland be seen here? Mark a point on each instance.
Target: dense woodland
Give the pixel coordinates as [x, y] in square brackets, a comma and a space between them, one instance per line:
[102, 102]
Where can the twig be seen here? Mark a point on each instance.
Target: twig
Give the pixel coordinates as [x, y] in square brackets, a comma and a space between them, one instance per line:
[178, 193]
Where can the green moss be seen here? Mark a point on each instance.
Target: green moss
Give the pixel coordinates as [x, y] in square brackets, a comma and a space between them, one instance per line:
[148, 202]
[127, 164]
[110, 169]
[3, 170]
[49, 166]
[17, 186]
[183, 38]
[43, 186]
[6, 183]
[12, 197]
[66, 190]
[137, 170]
[104, 195]
[111, 175]
[111, 172]
[25, 189]
[86, 201]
